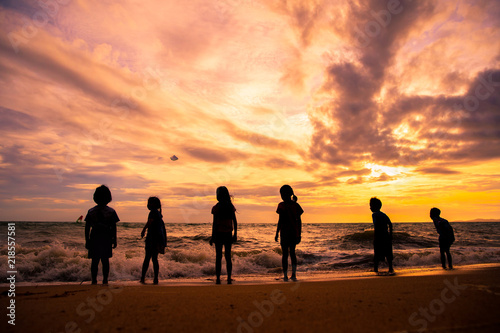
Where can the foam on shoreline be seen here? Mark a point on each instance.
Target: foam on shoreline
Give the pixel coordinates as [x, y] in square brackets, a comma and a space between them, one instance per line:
[275, 279]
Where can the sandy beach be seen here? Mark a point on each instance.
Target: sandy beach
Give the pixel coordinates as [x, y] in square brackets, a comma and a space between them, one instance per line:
[466, 299]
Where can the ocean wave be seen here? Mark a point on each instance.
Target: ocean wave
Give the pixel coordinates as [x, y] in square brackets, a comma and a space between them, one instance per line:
[363, 236]
[399, 238]
[52, 257]
[58, 263]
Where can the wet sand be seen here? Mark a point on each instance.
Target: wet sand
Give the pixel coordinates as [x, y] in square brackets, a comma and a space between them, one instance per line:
[466, 299]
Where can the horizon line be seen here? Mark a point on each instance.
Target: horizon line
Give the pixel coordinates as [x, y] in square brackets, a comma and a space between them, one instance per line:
[479, 220]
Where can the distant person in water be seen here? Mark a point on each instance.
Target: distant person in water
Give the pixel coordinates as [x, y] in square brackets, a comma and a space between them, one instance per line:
[156, 240]
[289, 229]
[382, 241]
[446, 236]
[100, 233]
[224, 223]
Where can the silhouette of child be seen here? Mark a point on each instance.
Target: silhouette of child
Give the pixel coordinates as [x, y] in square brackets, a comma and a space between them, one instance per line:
[100, 233]
[289, 229]
[382, 241]
[156, 240]
[446, 236]
[222, 228]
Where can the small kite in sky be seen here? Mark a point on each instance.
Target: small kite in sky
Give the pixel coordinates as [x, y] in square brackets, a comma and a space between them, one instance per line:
[174, 158]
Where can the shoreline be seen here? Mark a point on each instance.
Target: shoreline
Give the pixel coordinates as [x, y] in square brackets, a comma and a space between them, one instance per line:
[466, 299]
[273, 278]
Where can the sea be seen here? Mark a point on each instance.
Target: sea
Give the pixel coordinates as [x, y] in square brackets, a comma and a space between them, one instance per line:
[54, 252]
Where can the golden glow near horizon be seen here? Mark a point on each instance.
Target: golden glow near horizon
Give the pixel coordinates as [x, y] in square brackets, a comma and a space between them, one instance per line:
[343, 101]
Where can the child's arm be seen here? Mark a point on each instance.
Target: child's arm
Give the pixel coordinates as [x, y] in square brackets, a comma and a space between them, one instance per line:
[87, 234]
[114, 236]
[300, 230]
[235, 237]
[212, 238]
[277, 231]
[165, 233]
[299, 211]
[143, 232]
[278, 227]
[390, 226]
[436, 225]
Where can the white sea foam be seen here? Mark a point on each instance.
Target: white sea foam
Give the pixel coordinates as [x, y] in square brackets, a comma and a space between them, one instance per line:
[58, 254]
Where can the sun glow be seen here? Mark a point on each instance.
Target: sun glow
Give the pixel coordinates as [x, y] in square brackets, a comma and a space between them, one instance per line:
[377, 170]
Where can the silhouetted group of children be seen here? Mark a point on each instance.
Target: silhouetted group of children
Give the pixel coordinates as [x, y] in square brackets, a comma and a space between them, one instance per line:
[101, 238]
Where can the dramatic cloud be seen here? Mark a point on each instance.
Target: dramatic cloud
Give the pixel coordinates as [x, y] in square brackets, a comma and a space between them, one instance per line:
[370, 118]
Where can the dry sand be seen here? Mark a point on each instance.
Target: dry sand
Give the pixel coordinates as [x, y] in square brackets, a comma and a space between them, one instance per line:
[463, 300]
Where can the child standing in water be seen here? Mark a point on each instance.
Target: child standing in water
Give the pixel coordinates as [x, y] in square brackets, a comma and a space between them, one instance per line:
[222, 228]
[382, 241]
[100, 233]
[156, 240]
[446, 236]
[289, 229]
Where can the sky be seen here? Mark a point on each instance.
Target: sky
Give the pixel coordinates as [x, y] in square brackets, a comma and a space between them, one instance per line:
[342, 100]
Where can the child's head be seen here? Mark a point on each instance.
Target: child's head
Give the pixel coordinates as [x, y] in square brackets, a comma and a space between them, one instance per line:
[435, 212]
[286, 192]
[222, 194]
[154, 203]
[375, 204]
[102, 195]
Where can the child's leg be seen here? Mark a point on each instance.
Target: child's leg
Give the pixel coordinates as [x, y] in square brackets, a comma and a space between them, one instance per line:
[448, 255]
[375, 263]
[284, 260]
[293, 258]
[105, 270]
[229, 264]
[389, 262]
[218, 260]
[389, 256]
[443, 258]
[156, 266]
[93, 269]
[145, 264]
